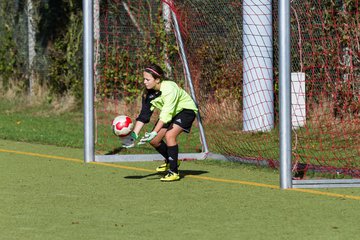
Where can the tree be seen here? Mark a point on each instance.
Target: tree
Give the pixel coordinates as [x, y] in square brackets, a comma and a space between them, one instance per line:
[32, 29]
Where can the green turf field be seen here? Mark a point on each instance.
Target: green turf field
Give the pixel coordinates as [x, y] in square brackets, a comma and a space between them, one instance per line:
[47, 192]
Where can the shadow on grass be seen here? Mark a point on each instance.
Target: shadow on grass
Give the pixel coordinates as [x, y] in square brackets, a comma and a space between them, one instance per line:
[183, 174]
[115, 151]
[135, 150]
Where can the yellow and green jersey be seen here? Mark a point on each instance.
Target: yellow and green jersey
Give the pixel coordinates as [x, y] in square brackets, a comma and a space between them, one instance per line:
[170, 100]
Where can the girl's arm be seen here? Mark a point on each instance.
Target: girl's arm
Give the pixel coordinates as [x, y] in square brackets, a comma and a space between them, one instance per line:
[158, 126]
[138, 126]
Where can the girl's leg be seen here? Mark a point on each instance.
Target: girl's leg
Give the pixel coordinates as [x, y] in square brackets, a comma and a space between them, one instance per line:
[172, 146]
[160, 145]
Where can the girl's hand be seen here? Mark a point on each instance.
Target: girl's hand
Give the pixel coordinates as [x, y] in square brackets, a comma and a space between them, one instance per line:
[129, 141]
[147, 137]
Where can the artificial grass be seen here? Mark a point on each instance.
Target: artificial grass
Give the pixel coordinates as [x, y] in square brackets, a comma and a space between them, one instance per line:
[47, 192]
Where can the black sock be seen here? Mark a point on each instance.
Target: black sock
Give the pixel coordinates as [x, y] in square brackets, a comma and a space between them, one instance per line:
[163, 150]
[173, 152]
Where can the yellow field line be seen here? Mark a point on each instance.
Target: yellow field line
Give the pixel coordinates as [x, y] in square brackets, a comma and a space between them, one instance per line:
[316, 192]
[234, 181]
[41, 155]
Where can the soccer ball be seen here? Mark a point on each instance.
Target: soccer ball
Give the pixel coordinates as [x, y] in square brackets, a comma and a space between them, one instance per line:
[122, 126]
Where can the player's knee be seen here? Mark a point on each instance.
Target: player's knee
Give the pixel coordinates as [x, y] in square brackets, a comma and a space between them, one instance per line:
[170, 139]
[155, 143]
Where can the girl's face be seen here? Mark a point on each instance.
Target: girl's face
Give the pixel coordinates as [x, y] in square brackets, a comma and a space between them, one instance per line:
[150, 82]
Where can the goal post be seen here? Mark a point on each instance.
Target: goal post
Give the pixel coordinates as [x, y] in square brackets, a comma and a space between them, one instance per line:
[189, 79]
[89, 143]
[284, 95]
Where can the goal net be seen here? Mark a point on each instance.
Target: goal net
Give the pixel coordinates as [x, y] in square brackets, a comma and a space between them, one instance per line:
[232, 54]
[128, 36]
[326, 88]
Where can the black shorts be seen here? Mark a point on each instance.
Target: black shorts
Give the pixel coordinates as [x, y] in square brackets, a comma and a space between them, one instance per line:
[184, 119]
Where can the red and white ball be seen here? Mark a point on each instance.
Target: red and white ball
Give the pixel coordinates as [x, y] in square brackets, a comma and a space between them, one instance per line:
[122, 125]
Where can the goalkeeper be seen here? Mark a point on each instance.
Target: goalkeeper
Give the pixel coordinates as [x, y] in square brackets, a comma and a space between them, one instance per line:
[177, 113]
